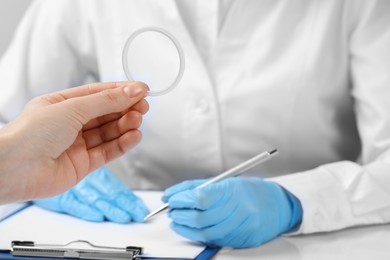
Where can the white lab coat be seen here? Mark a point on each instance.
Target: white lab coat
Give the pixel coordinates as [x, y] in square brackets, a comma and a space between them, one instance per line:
[310, 78]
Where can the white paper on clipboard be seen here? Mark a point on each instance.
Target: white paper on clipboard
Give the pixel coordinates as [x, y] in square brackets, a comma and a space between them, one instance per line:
[42, 226]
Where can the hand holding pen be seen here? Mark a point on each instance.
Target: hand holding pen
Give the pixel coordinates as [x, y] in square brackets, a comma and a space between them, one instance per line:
[233, 172]
[233, 212]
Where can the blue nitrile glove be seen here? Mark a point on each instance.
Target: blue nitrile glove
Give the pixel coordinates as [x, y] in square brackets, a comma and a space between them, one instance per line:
[99, 196]
[236, 212]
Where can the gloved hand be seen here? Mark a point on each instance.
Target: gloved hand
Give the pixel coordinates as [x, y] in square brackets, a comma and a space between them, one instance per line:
[236, 212]
[99, 196]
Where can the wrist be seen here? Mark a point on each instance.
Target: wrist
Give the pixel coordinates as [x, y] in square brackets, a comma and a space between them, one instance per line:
[296, 211]
[290, 209]
[10, 182]
[6, 151]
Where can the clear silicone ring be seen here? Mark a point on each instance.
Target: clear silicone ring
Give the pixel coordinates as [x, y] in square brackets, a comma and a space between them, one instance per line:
[179, 51]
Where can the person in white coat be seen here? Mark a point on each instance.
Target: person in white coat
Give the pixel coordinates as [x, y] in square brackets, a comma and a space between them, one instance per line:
[310, 78]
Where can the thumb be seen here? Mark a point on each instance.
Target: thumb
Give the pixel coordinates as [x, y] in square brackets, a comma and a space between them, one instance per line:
[86, 108]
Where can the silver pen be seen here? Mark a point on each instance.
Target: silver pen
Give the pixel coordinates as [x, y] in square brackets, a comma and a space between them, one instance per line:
[233, 172]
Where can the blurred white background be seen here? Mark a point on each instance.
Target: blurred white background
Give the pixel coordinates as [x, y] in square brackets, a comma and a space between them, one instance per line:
[11, 11]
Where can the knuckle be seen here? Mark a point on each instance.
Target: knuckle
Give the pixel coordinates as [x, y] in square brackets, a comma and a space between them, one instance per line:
[202, 199]
[136, 118]
[109, 96]
[49, 98]
[80, 114]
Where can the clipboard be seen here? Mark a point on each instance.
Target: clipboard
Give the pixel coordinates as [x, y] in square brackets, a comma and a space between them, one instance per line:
[22, 250]
[71, 250]
[40, 226]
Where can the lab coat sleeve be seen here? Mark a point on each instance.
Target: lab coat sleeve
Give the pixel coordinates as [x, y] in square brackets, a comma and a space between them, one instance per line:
[43, 56]
[344, 194]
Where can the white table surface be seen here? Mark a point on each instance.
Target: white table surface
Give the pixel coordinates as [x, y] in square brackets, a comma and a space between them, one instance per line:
[370, 242]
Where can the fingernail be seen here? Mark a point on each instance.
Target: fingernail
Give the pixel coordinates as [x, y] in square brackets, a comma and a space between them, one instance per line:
[133, 91]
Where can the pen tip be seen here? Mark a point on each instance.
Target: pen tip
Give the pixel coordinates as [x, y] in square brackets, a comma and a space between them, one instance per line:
[273, 151]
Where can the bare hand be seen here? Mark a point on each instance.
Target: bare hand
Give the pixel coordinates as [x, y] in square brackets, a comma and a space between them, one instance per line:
[59, 138]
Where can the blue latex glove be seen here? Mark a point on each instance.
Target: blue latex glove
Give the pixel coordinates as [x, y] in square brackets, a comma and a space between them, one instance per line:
[236, 212]
[99, 196]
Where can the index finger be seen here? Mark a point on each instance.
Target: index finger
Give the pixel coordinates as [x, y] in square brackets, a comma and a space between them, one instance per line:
[92, 88]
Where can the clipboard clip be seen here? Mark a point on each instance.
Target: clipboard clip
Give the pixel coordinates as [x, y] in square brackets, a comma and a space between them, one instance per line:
[83, 250]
